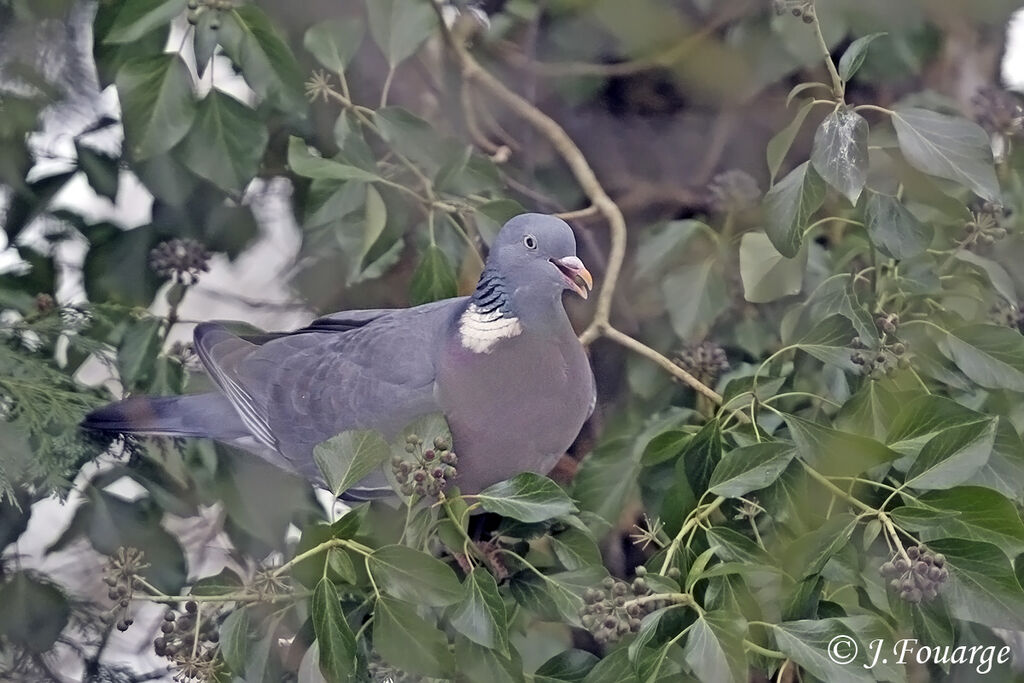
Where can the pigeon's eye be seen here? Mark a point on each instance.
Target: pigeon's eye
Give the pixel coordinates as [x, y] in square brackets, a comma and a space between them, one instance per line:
[530, 241]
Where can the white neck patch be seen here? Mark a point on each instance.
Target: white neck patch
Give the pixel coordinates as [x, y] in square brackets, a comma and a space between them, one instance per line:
[479, 331]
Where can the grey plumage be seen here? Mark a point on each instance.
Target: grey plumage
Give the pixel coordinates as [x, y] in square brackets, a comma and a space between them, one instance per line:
[503, 365]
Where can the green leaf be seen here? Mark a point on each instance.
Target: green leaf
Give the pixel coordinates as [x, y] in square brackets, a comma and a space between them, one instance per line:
[949, 147]
[226, 143]
[480, 615]
[994, 272]
[976, 514]
[34, 612]
[990, 355]
[701, 456]
[267, 63]
[925, 416]
[477, 663]
[528, 497]
[138, 350]
[840, 152]
[696, 296]
[405, 640]
[225, 582]
[399, 27]
[413, 576]
[808, 554]
[869, 412]
[236, 639]
[575, 549]
[807, 642]
[750, 468]
[789, 206]
[894, 230]
[348, 457]
[829, 340]
[665, 446]
[714, 647]
[853, 58]
[732, 546]
[337, 642]
[836, 453]
[768, 275]
[434, 278]
[100, 170]
[1004, 471]
[779, 145]
[157, 106]
[334, 42]
[981, 586]
[136, 18]
[305, 164]
[952, 456]
[570, 666]
[117, 265]
[206, 39]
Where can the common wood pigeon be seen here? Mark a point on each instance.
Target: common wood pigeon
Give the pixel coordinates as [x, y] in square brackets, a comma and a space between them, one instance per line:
[502, 365]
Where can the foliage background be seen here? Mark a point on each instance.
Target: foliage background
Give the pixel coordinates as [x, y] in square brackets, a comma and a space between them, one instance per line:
[752, 467]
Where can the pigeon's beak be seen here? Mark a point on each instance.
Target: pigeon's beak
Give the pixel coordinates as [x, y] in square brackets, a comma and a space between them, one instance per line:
[576, 275]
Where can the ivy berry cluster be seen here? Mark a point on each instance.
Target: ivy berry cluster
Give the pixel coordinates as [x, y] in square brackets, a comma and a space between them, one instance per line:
[617, 607]
[798, 8]
[429, 471]
[189, 640]
[120, 574]
[706, 361]
[180, 260]
[918, 576]
[890, 353]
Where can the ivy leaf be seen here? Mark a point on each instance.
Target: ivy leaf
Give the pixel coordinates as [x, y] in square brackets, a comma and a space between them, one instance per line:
[701, 456]
[305, 164]
[828, 341]
[251, 41]
[136, 18]
[853, 58]
[100, 170]
[982, 586]
[768, 275]
[34, 613]
[949, 147]
[714, 647]
[570, 666]
[991, 355]
[923, 417]
[480, 615]
[750, 468]
[893, 229]
[236, 639]
[348, 457]
[226, 143]
[415, 577]
[994, 272]
[779, 145]
[789, 206]
[477, 663]
[434, 278]
[337, 642]
[222, 583]
[528, 497]
[807, 642]
[1004, 471]
[976, 514]
[695, 295]
[405, 640]
[206, 38]
[952, 456]
[836, 453]
[157, 105]
[575, 549]
[334, 42]
[399, 27]
[840, 152]
[138, 349]
[117, 265]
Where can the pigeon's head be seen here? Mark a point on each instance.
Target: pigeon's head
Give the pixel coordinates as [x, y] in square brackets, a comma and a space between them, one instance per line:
[536, 255]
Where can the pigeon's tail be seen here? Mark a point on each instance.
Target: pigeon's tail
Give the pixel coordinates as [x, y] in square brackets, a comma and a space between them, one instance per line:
[203, 415]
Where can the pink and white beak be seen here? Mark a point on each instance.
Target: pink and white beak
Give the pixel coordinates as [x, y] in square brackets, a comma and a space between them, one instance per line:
[575, 274]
